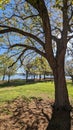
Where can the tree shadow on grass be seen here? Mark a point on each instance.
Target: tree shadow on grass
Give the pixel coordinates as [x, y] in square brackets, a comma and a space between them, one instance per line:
[11, 83]
[60, 120]
[14, 83]
[19, 82]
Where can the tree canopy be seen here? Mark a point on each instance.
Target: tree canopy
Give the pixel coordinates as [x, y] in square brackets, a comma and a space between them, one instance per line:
[5, 69]
[43, 27]
[3, 3]
[38, 66]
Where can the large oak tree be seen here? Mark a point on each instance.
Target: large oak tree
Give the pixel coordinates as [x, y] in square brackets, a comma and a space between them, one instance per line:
[57, 30]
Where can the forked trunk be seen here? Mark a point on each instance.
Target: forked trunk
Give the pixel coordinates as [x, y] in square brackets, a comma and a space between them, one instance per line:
[61, 92]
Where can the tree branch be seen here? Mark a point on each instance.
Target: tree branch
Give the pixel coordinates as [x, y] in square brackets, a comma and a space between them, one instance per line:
[19, 57]
[29, 48]
[13, 29]
[43, 13]
[69, 38]
[71, 15]
[30, 16]
[55, 39]
[56, 28]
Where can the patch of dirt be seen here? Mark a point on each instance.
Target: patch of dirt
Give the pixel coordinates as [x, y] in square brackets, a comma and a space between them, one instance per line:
[22, 114]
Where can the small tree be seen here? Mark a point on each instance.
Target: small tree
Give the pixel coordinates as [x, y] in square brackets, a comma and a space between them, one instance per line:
[3, 66]
[40, 66]
[5, 63]
[69, 68]
[10, 71]
[27, 68]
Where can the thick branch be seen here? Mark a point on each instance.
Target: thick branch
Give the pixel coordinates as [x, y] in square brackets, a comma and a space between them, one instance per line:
[18, 16]
[55, 39]
[24, 18]
[12, 29]
[69, 38]
[65, 22]
[29, 48]
[71, 15]
[56, 28]
[43, 13]
[19, 57]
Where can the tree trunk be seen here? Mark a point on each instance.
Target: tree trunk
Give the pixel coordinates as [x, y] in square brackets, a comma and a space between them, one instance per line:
[34, 77]
[3, 78]
[26, 75]
[44, 76]
[39, 76]
[61, 92]
[8, 78]
[72, 78]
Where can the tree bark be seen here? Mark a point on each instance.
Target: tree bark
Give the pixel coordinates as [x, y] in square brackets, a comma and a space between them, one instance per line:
[72, 78]
[39, 76]
[26, 75]
[34, 77]
[61, 92]
[3, 77]
[8, 78]
[44, 76]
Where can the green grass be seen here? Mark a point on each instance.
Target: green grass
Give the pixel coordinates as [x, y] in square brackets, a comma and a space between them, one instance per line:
[41, 89]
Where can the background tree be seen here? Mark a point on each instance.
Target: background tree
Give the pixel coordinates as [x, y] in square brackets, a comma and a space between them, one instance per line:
[6, 70]
[2, 67]
[27, 68]
[69, 68]
[37, 66]
[40, 67]
[53, 23]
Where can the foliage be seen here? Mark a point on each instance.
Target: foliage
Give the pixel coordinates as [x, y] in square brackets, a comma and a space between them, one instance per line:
[5, 63]
[69, 68]
[40, 66]
[3, 3]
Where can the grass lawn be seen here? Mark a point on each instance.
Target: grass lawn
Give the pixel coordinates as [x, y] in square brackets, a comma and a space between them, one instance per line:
[39, 90]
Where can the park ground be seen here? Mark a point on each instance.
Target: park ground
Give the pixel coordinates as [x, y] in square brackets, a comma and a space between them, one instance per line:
[29, 106]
